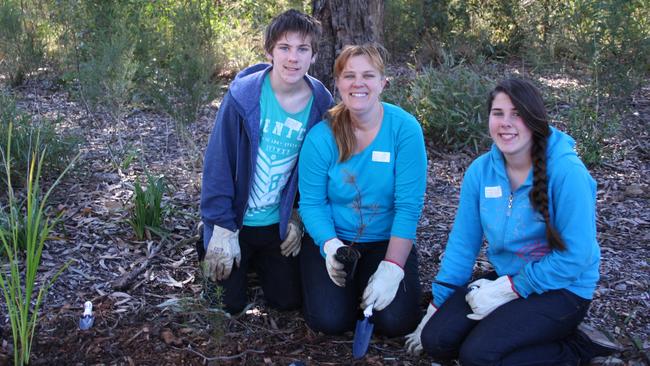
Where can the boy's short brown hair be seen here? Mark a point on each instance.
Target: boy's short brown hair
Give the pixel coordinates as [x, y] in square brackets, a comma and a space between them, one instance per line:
[292, 21]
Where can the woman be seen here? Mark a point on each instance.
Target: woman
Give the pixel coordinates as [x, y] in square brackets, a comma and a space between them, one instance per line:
[362, 176]
[533, 201]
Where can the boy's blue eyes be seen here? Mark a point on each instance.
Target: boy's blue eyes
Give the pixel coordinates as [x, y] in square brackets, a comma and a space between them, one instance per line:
[300, 49]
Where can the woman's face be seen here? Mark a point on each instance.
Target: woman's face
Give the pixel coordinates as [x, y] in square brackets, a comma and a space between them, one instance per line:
[360, 84]
[508, 130]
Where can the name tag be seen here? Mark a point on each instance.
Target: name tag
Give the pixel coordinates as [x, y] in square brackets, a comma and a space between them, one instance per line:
[493, 192]
[381, 156]
[293, 124]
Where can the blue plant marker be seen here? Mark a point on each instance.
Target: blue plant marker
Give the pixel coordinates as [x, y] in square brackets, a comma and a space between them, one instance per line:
[86, 321]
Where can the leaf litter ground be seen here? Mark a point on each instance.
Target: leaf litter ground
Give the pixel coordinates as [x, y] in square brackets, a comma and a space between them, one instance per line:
[146, 293]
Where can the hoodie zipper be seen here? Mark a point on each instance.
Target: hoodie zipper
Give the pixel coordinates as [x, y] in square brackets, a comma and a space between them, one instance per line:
[510, 198]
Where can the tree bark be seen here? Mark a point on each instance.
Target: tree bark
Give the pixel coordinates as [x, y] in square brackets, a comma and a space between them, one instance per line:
[344, 22]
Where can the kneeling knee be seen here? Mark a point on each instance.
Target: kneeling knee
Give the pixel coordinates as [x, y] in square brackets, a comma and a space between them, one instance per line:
[475, 354]
[393, 326]
[285, 304]
[438, 345]
[329, 326]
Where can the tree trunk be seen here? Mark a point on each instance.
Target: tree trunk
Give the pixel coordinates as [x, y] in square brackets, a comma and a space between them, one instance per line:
[344, 22]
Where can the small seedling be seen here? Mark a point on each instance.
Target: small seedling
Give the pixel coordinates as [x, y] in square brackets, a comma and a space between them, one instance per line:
[147, 213]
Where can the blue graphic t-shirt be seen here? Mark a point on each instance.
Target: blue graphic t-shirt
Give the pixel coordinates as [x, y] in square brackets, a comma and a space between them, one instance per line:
[281, 137]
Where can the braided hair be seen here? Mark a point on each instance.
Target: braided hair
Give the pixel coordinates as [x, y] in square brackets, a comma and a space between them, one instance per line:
[530, 105]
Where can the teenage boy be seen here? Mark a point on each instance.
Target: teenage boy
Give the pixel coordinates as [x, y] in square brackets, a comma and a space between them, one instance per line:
[250, 167]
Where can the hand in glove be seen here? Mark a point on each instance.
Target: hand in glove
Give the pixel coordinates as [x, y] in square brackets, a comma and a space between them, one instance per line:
[223, 250]
[413, 342]
[293, 241]
[334, 267]
[489, 295]
[382, 286]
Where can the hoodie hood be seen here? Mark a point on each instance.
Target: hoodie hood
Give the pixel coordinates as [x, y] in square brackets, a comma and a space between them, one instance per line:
[246, 88]
[560, 145]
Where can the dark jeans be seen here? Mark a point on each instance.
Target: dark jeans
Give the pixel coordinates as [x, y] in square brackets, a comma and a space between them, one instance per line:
[279, 275]
[538, 330]
[333, 310]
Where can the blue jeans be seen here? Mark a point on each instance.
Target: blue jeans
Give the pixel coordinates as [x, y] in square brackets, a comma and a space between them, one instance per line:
[537, 330]
[333, 310]
[260, 251]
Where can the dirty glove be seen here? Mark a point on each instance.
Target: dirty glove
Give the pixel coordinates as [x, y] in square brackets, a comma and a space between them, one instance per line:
[489, 295]
[382, 286]
[413, 342]
[334, 267]
[293, 241]
[223, 250]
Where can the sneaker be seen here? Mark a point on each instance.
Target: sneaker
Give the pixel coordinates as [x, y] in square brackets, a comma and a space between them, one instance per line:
[600, 344]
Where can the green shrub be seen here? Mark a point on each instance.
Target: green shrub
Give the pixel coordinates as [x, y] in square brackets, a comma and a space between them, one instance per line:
[611, 37]
[19, 222]
[102, 48]
[21, 45]
[28, 224]
[106, 78]
[183, 69]
[28, 135]
[147, 213]
[591, 121]
[449, 103]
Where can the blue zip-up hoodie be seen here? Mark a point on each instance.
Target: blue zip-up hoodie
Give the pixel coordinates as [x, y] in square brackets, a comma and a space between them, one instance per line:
[231, 155]
[515, 232]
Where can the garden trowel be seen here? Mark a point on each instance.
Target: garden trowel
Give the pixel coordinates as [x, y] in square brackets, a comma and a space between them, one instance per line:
[362, 334]
[86, 321]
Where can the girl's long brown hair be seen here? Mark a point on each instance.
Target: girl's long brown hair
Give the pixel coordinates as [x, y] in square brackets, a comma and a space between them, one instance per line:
[530, 105]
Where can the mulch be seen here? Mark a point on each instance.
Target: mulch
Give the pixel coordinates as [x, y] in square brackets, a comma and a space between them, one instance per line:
[146, 294]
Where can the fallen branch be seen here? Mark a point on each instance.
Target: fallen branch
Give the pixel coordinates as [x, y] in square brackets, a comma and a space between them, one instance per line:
[222, 358]
[124, 282]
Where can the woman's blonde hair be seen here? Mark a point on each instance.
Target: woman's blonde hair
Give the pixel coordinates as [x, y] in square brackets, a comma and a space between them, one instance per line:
[339, 115]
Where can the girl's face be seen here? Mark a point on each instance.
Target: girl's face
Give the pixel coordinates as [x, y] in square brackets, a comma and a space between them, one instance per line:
[360, 84]
[508, 130]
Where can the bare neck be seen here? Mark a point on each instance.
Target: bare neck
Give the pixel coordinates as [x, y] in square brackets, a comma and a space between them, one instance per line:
[292, 97]
[369, 120]
[518, 170]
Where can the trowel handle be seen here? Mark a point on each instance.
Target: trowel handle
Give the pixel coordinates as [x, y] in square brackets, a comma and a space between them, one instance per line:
[367, 312]
[88, 308]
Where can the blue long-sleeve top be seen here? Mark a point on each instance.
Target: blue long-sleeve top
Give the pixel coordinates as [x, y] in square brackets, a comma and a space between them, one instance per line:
[515, 231]
[376, 194]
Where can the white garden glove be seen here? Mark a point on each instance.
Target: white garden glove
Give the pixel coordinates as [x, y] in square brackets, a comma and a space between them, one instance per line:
[489, 295]
[382, 286]
[223, 250]
[413, 342]
[334, 267]
[293, 241]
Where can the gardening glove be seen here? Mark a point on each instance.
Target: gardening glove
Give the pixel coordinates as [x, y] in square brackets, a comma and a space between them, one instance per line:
[334, 267]
[293, 241]
[382, 286]
[223, 250]
[413, 342]
[489, 295]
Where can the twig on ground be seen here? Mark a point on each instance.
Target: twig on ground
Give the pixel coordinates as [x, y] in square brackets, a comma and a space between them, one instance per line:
[221, 358]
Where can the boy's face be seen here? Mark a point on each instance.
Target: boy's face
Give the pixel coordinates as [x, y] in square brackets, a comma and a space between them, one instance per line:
[291, 57]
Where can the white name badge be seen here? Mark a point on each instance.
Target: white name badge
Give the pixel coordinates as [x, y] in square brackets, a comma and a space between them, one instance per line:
[493, 192]
[381, 156]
